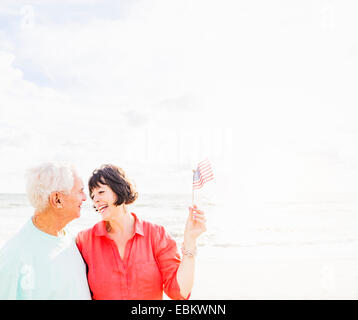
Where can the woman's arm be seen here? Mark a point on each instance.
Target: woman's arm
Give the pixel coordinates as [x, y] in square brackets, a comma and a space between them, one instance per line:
[194, 227]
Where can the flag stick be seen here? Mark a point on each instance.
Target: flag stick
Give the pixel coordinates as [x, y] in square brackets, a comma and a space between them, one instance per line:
[192, 192]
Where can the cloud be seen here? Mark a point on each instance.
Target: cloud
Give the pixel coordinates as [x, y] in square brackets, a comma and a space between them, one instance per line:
[155, 82]
[158, 51]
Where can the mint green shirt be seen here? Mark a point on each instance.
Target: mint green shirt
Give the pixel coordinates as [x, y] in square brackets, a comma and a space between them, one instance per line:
[37, 265]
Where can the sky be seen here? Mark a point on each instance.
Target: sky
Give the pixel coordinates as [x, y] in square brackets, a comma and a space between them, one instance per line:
[265, 89]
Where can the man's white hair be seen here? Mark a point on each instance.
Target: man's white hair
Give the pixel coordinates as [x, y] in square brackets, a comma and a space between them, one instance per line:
[46, 178]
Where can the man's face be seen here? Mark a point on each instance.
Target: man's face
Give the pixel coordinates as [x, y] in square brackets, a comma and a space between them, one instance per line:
[73, 200]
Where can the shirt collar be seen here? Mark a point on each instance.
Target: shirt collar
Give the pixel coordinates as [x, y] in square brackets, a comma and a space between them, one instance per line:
[100, 227]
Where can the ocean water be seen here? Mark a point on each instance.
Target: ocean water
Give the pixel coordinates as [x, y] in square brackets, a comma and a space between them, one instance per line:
[290, 223]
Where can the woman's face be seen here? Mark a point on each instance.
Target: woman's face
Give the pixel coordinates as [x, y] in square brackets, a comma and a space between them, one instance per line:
[104, 200]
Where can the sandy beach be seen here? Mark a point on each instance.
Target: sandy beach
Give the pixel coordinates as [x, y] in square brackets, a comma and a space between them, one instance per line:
[309, 272]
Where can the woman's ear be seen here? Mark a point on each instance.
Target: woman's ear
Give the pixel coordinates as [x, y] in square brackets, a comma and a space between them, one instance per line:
[55, 200]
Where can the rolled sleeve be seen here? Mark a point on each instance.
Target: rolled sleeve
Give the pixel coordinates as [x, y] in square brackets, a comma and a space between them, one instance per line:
[168, 259]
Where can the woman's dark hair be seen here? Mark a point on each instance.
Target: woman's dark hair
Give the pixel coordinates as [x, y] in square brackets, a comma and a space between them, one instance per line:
[117, 180]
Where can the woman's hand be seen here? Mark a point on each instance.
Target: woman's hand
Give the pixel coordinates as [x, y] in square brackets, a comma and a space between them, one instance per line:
[195, 226]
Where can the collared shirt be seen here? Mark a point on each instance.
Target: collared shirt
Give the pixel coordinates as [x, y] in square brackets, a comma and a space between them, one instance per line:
[36, 265]
[149, 265]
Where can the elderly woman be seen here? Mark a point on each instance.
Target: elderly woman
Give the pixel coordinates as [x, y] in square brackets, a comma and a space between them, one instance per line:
[129, 258]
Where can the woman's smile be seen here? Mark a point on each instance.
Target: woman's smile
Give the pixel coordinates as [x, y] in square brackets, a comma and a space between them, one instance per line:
[102, 208]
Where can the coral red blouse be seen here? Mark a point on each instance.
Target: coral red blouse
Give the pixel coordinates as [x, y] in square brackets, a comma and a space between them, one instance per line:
[149, 266]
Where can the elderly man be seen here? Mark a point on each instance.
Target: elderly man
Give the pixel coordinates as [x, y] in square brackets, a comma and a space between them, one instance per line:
[42, 260]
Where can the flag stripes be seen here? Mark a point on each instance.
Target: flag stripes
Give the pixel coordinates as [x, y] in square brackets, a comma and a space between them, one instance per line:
[202, 174]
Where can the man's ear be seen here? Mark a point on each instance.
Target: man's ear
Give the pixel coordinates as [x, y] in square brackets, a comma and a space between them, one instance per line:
[56, 200]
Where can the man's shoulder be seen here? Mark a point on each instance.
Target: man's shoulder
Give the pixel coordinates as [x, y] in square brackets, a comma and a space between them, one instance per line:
[16, 246]
[18, 237]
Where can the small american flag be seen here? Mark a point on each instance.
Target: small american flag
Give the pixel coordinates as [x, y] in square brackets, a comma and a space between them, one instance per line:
[202, 174]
